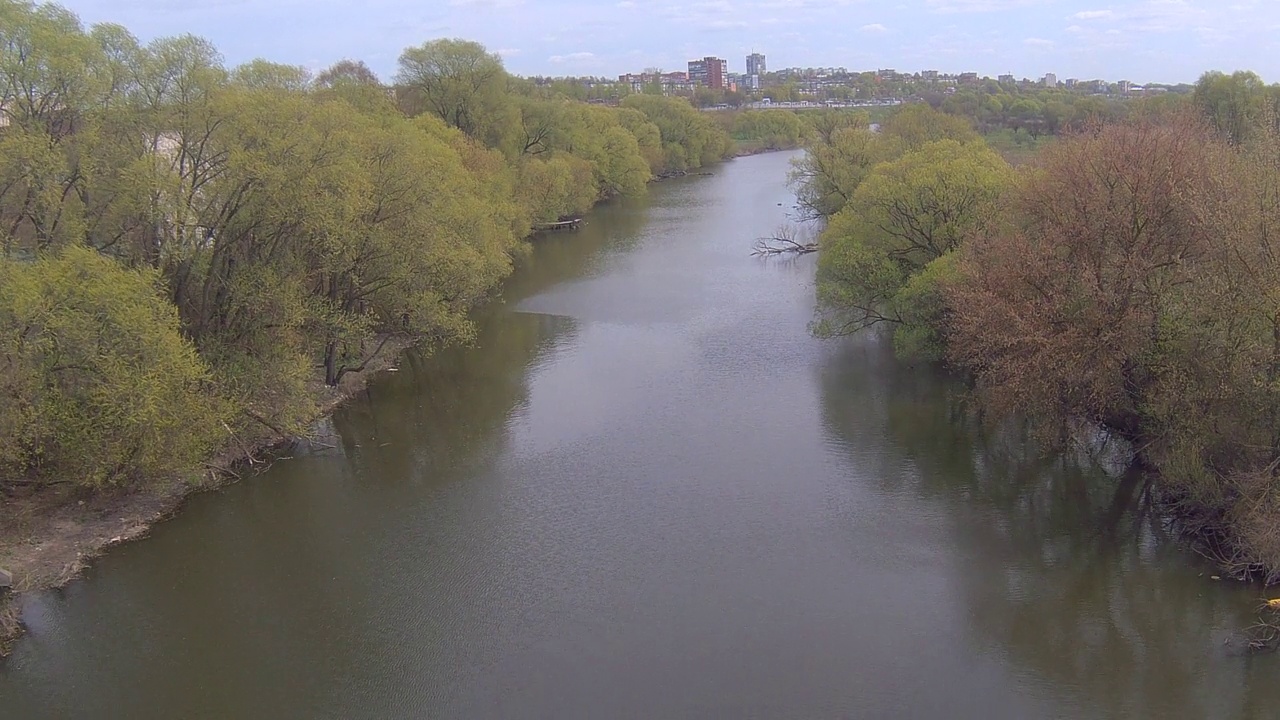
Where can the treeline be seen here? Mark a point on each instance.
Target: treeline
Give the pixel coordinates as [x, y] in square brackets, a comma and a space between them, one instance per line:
[191, 250]
[1233, 101]
[1127, 280]
[1035, 110]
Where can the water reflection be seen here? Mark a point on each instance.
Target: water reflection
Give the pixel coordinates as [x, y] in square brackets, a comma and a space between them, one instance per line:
[1067, 573]
[446, 409]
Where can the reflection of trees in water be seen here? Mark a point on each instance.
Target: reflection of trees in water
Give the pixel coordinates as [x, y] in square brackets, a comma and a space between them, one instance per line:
[1064, 570]
[444, 411]
[449, 408]
[562, 256]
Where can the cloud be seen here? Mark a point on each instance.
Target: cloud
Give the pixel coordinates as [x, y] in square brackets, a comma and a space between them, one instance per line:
[972, 6]
[1094, 14]
[626, 4]
[1038, 42]
[571, 58]
[803, 4]
[508, 52]
[875, 28]
[722, 24]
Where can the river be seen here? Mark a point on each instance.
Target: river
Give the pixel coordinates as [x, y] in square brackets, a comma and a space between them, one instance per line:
[647, 492]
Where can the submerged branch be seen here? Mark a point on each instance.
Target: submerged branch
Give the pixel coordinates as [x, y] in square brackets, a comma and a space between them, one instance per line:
[784, 240]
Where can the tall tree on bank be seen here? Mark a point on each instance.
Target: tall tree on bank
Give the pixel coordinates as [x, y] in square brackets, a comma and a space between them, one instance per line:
[461, 83]
[886, 253]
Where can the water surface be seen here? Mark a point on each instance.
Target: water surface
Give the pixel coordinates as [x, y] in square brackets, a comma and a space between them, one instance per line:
[648, 493]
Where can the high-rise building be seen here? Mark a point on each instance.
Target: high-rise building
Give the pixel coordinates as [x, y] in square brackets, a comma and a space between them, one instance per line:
[708, 72]
[755, 64]
[1051, 80]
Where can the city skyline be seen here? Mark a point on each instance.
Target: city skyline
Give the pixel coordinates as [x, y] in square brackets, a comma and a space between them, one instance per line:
[1163, 41]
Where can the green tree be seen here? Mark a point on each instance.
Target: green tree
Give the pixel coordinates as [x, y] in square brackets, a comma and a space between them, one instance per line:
[830, 171]
[689, 138]
[461, 83]
[917, 124]
[263, 74]
[770, 129]
[354, 82]
[1233, 103]
[885, 253]
[99, 387]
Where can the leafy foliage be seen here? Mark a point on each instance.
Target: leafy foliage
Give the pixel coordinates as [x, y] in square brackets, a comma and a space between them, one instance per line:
[184, 245]
[689, 138]
[906, 216]
[99, 387]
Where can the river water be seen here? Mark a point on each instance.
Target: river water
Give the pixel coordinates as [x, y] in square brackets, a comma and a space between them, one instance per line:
[647, 492]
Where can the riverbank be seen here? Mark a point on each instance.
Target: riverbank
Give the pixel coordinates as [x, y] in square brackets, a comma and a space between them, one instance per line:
[48, 538]
[747, 150]
[490, 548]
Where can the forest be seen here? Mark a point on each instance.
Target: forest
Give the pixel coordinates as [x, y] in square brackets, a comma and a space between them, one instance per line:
[1126, 281]
[194, 254]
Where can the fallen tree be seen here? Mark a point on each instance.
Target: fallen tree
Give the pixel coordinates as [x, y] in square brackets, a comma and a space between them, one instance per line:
[785, 240]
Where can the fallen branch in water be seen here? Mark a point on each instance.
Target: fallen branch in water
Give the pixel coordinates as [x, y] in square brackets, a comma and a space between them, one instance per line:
[784, 240]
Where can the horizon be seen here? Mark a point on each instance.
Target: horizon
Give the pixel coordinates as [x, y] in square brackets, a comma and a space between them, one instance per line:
[1144, 41]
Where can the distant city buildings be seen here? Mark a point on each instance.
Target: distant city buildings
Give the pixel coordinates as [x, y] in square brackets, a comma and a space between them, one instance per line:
[708, 72]
[756, 69]
[839, 86]
[672, 83]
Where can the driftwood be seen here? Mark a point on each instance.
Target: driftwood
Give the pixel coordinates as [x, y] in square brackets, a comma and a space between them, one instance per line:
[785, 240]
[679, 174]
[569, 224]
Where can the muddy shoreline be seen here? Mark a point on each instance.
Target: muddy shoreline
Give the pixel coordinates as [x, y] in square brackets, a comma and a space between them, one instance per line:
[48, 540]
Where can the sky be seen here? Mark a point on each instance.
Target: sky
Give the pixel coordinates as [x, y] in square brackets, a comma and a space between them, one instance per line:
[1167, 41]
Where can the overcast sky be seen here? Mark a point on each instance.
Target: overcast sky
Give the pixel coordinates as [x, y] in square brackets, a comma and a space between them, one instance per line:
[1141, 40]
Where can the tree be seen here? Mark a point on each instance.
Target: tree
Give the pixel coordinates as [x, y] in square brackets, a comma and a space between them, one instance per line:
[689, 138]
[99, 386]
[262, 74]
[1233, 103]
[771, 129]
[648, 137]
[461, 83]
[823, 124]
[886, 252]
[829, 173]
[1060, 310]
[355, 83]
[346, 71]
[918, 124]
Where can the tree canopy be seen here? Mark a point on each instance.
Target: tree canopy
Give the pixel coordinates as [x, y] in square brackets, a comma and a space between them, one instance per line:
[250, 233]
